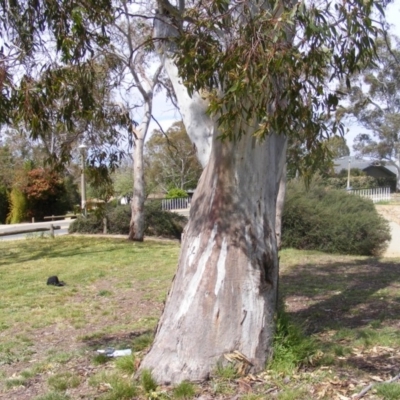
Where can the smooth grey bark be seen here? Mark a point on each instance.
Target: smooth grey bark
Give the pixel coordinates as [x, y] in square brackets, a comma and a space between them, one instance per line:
[146, 87]
[280, 202]
[136, 225]
[199, 126]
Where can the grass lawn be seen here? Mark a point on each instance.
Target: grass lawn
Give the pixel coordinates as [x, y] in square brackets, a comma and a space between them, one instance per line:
[348, 309]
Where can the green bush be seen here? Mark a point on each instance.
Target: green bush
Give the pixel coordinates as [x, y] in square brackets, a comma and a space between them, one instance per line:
[163, 223]
[157, 222]
[90, 224]
[332, 221]
[176, 193]
[18, 207]
[118, 219]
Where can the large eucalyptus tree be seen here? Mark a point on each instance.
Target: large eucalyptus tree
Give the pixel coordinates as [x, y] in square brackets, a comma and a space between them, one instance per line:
[247, 75]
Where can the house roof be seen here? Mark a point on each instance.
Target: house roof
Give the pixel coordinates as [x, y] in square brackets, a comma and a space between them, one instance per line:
[363, 164]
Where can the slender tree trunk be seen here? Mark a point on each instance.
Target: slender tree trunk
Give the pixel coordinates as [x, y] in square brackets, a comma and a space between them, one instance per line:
[136, 226]
[397, 165]
[223, 296]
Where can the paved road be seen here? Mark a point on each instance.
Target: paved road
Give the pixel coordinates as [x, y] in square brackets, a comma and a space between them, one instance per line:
[64, 224]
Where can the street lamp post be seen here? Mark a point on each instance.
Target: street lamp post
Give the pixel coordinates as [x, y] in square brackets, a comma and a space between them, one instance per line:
[348, 175]
[82, 149]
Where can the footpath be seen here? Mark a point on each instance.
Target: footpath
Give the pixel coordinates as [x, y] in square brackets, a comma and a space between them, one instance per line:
[392, 214]
[393, 249]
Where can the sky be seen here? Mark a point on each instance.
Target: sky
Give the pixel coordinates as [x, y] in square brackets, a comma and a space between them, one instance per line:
[166, 114]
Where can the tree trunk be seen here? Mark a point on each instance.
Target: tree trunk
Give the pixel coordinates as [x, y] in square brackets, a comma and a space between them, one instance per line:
[223, 296]
[136, 226]
[280, 202]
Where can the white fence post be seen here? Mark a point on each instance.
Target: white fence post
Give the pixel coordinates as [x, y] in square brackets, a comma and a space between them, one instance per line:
[175, 204]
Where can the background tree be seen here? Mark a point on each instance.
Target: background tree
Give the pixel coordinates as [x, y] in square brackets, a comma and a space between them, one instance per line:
[140, 77]
[58, 88]
[338, 147]
[171, 160]
[37, 192]
[122, 178]
[375, 103]
[45, 192]
[305, 165]
[18, 155]
[254, 74]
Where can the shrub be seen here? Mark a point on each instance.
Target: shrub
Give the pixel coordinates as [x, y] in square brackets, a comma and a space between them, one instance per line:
[163, 223]
[176, 193]
[157, 222]
[3, 204]
[118, 219]
[90, 224]
[18, 207]
[332, 221]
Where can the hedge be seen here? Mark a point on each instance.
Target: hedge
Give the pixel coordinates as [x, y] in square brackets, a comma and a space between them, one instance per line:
[332, 221]
[157, 222]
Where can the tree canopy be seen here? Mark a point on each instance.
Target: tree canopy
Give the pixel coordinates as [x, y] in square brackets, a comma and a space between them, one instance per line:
[270, 63]
[54, 85]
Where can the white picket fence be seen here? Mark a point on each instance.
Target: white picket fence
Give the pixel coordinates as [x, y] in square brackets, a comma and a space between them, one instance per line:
[175, 204]
[376, 194]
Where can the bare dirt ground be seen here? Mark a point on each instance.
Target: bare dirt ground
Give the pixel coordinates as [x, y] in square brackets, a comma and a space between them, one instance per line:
[62, 348]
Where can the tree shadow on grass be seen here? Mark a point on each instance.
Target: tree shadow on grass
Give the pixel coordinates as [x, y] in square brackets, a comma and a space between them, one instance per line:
[33, 250]
[346, 304]
[348, 294]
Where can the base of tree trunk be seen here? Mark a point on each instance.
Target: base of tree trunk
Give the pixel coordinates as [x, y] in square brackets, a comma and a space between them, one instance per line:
[223, 298]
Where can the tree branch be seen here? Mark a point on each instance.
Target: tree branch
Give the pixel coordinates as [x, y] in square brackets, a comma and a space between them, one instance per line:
[370, 386]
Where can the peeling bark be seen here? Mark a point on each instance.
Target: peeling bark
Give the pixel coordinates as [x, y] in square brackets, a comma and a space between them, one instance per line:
[224, 293]
[223, 297]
